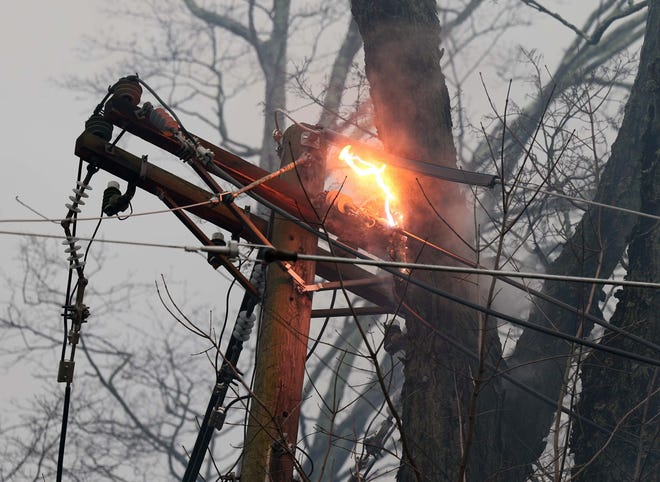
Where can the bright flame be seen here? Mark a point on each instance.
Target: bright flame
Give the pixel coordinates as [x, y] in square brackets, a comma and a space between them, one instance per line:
[365, 168]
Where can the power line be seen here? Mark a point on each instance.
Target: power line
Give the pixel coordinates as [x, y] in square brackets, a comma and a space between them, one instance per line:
[393, 268]
[452, 269]
[274, 254]
[213, 202]
[537, 188]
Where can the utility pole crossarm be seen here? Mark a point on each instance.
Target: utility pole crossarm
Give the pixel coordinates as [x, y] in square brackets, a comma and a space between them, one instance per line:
[286, 195]
[156, 181]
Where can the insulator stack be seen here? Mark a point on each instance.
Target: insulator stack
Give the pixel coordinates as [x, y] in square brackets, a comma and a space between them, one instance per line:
[243, 327]
[72, 251]
[73, 207]
[128, 89]
[98, 126]
[162, 120]
[258, 278]
[76, 200]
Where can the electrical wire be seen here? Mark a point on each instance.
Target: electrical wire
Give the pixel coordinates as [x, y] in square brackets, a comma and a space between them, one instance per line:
[524, 323]
[459, 269]
[323, 327]
[379, 263]
[536, 188]
[214, 201]
[190, 137]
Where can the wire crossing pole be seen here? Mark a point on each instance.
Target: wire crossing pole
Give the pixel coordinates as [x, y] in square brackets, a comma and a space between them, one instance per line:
[269, 452]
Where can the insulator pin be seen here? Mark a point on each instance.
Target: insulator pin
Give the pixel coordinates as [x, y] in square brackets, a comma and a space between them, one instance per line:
[162, 120]
[98, 126]
[128, 89]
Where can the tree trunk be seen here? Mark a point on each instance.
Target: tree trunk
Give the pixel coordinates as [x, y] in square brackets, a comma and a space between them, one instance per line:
[411, 102]
[622, 394]
[273, 59]
[539, 361]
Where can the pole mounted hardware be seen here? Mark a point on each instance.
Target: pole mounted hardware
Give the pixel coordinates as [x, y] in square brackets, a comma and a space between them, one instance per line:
[114, 202]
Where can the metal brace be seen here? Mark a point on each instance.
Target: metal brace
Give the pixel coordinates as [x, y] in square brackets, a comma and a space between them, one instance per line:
[297, 279]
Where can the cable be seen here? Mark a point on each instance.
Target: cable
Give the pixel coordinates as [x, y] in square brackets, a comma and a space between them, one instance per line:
[291, 256]
[273, 254]
[213, 202]
[323, 327]
[524, 323]
[65, 422]
[537, 188]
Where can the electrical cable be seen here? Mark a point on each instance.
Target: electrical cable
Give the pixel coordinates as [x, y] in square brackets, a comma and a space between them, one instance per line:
[190, 137]
[537, 293]
[537, 188]
[524, 323]
[65, 423]
[386, 266]
[214, 201]
[290, 256]
[91, 240]
[274, 254]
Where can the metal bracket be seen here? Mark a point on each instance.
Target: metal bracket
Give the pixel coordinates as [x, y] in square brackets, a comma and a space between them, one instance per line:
[217, 419]
[297, 279]
[310, 139]
[335, 285]
[65, 371]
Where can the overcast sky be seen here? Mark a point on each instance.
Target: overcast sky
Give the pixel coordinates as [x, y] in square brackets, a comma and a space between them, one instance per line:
[41, 42]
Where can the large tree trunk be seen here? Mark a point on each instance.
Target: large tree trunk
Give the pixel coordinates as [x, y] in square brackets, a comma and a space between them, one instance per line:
[539, 361]
[620, 394]
[402, 60]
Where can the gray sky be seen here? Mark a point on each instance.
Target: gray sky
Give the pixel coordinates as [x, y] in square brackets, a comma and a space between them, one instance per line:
[41, 42]
[40, 122]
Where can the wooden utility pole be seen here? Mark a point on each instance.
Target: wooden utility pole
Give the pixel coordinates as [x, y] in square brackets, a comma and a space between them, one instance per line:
[269, 452]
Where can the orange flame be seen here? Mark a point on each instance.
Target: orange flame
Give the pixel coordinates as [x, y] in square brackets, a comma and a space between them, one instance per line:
[366, 168]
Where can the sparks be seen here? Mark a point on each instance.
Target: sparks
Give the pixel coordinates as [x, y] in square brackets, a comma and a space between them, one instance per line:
[365, 168]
